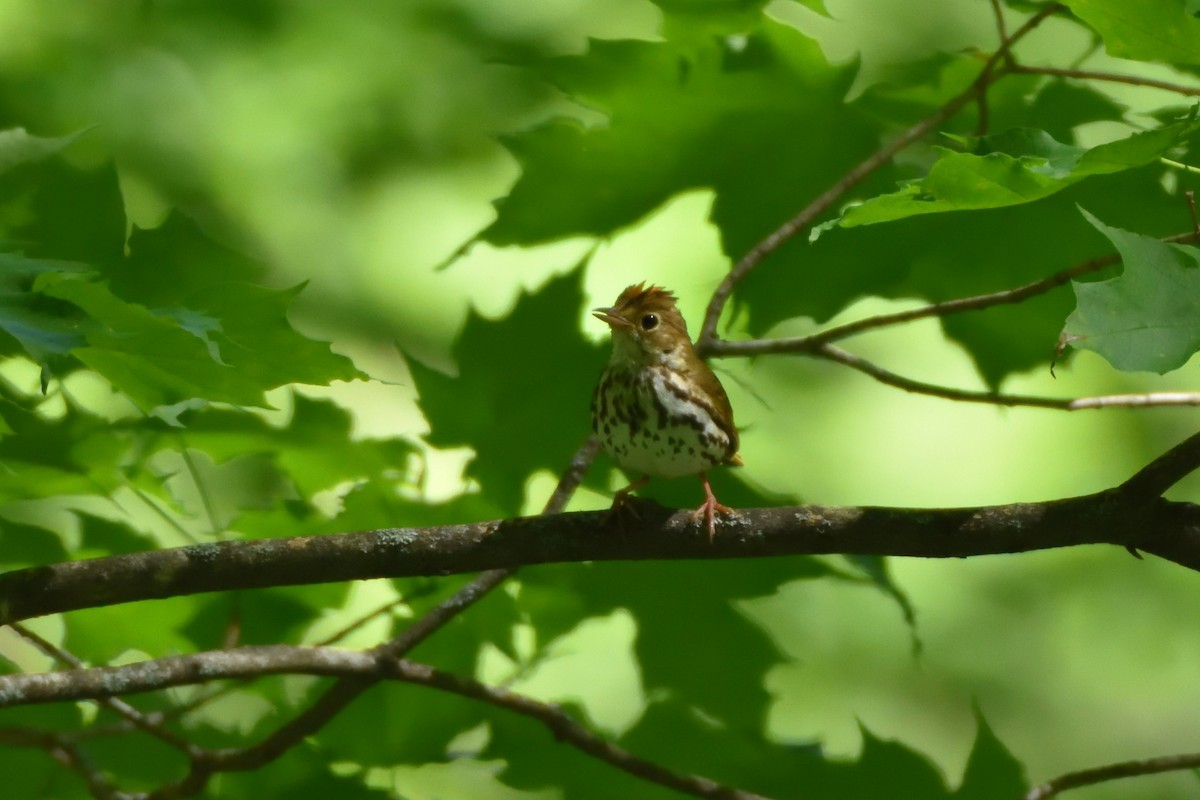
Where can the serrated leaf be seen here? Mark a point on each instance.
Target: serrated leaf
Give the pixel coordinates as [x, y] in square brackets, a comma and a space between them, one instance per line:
[1148, 318]
[1147, 30]
[316, 449]
[1015, 167]
[741, 113]
[521, 397]
[247, 345]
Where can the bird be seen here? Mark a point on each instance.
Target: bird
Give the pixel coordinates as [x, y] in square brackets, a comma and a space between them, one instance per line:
[658, 409]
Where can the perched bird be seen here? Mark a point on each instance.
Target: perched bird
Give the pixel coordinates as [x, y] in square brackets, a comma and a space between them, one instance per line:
[659, 410]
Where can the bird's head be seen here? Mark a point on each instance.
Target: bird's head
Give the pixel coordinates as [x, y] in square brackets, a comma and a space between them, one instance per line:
[647, 327]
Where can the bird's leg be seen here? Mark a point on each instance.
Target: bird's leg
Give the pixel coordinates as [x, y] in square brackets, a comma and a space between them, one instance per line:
[622, 502]
[708, 507]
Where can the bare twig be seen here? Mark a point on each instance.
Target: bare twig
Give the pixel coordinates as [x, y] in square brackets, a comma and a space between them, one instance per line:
[355, 624]
[1112, 772]
[823, 202]
[999, 399]
[1110, 77]
[358, 667]
[1001, 28]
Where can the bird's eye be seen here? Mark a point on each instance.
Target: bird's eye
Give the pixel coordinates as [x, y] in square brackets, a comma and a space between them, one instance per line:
[649, 322]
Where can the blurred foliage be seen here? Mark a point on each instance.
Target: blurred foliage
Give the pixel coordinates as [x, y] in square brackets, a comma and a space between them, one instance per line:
[217, 218]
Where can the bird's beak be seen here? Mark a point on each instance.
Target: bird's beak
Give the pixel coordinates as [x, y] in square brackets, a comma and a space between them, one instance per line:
[611, 316]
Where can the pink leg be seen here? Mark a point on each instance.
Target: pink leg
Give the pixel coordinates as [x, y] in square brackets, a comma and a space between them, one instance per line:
[621, 501]
[708, 507]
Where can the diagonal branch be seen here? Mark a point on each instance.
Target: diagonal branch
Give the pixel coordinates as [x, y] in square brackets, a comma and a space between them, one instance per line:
[1112, 772]
[1165, 471]
[365, 666]
[338, 696]
[151, 724]
[823, 202]
[68, 754]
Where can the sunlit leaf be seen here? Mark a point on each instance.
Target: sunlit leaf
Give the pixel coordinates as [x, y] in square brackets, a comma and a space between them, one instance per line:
[1149, 30]
[1018, 166]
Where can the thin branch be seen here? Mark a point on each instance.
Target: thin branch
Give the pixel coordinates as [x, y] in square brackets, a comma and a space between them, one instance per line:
[1110, 77]
[813, 342]
[1165, 471]
[355, 624]
[1112, 772]
[151, 724]
[66, 753]
[823, 202]
[567, 730]
[359, 667]
[338, 696]
[999, 399]
[1001, 27]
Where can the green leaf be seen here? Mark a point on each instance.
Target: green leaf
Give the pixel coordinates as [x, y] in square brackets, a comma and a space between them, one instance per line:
[815, 5]
[47, 329]
[1148, 318]
[743, 113]
[522, 393]
[316, 449]
[1147, 30]
[658, 595]
[169, 263]
[29, 545]
[233, 344]
[1015, 167]
[56, 210]
[76, 453]
[992, 773]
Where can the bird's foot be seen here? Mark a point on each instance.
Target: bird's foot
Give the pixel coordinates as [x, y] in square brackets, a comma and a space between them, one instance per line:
[709, 508]
[624, 504]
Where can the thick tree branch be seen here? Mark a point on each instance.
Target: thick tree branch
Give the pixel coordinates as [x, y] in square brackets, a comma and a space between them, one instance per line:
[1171, 530]
[338, 696]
